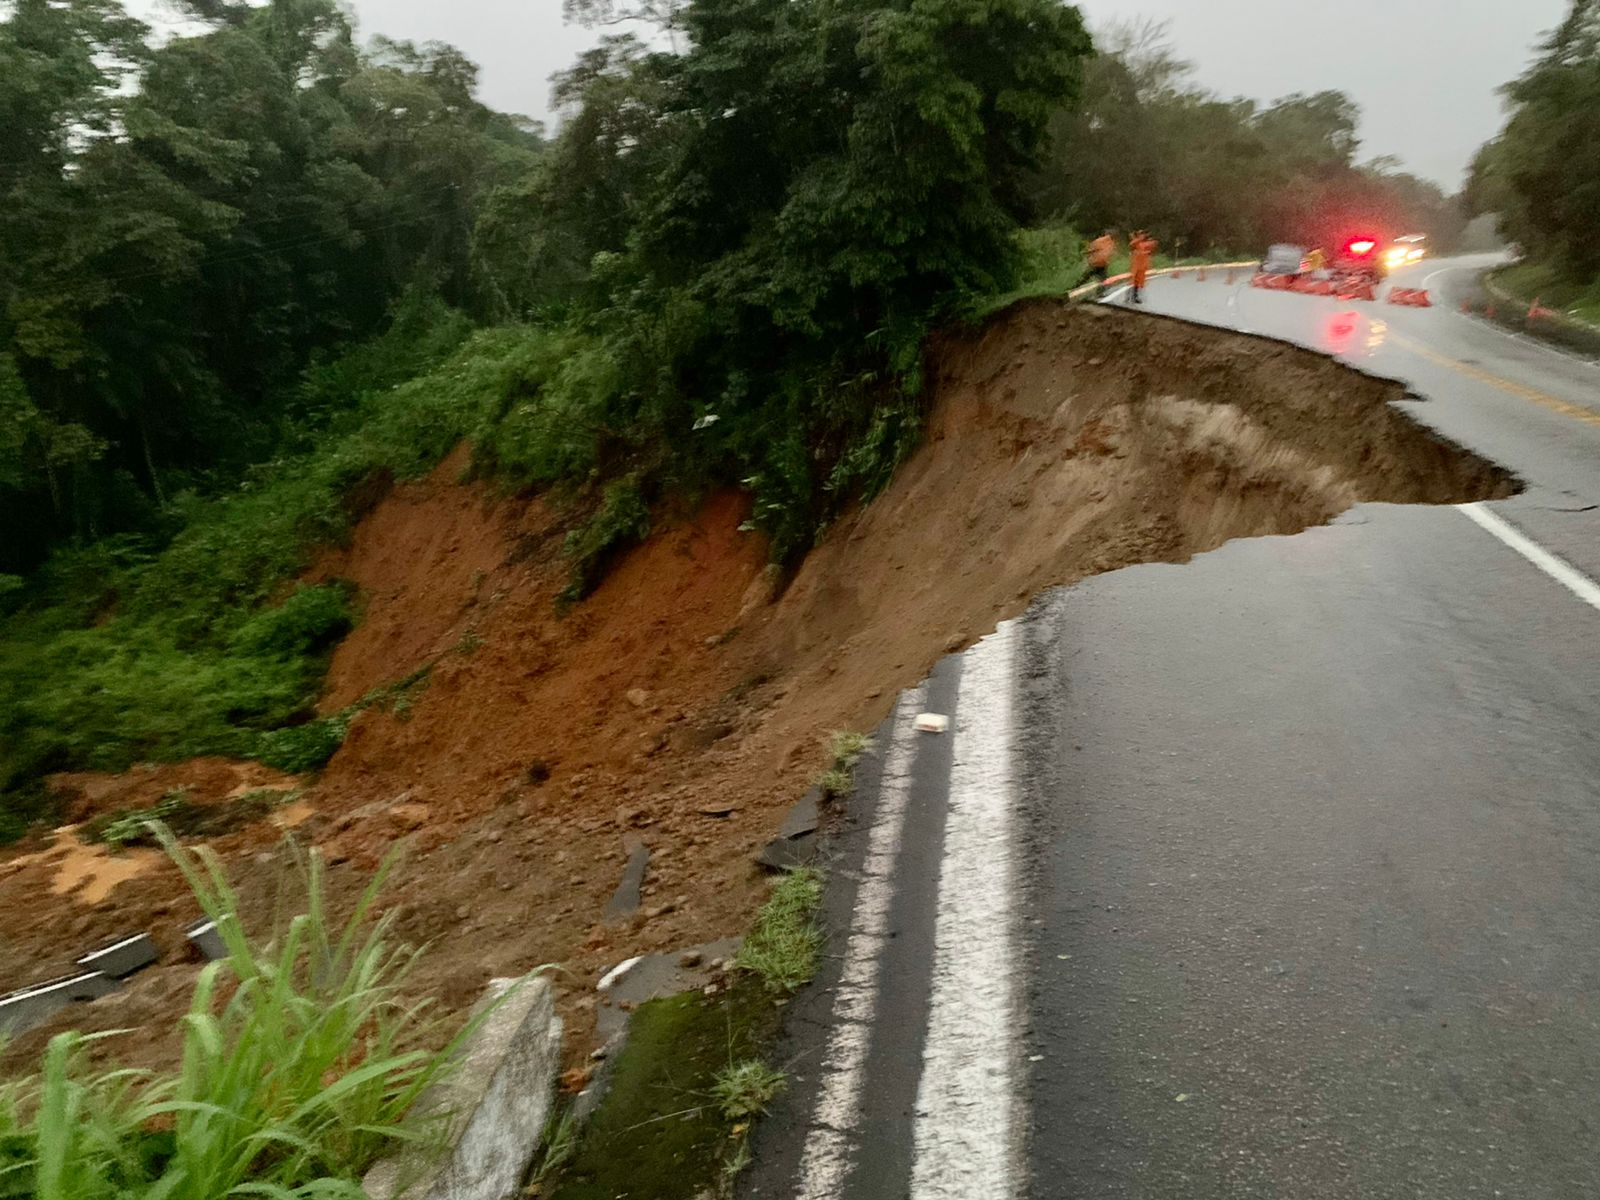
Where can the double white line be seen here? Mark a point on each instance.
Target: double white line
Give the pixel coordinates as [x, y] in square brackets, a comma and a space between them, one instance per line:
[967, 1131]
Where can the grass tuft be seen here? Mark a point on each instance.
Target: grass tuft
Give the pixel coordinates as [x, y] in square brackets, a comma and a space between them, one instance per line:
[300, 1059]
[745, 1089]
[783, 947]
[846, 749]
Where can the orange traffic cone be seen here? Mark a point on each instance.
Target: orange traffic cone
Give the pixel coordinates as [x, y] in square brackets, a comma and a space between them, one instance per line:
[1201, 275]
[1230, 278]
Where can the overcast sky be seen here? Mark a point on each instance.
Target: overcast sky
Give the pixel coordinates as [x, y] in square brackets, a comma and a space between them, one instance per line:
[1423, 71]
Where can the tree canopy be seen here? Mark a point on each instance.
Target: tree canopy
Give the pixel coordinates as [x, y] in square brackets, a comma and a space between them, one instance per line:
[1542, 174]
[182, 225]
[1148, 147]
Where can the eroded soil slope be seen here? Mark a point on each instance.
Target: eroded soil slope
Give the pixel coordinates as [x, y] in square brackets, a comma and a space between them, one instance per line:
[689, 700]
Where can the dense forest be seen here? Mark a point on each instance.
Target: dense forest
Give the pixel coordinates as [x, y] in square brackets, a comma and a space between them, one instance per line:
[251, 275]
[1542, 174]
[1146, 146]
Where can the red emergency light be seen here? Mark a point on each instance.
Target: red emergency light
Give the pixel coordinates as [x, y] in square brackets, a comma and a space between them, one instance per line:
[1360, 247]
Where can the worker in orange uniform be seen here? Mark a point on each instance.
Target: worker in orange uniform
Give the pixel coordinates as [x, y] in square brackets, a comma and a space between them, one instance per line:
[1101, 251]
[1142, 246]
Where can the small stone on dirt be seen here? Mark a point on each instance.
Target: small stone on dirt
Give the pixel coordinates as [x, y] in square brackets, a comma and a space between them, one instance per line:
[689, 958]
[409, 816]
[638, 697]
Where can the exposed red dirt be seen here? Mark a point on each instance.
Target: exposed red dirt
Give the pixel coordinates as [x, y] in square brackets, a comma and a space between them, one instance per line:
[687, 704]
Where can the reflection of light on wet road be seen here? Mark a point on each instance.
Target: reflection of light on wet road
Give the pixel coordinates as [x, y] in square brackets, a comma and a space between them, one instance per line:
[1343, 336]
[1338, 334]
[1376, 332]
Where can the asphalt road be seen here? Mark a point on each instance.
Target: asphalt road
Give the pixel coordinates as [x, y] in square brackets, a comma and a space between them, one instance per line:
[1274, 874]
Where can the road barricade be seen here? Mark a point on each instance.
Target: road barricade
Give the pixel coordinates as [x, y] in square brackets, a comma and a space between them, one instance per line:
[1410, 297]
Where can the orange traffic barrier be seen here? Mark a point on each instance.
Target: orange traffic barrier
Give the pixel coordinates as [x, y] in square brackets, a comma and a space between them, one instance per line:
[1410, 297]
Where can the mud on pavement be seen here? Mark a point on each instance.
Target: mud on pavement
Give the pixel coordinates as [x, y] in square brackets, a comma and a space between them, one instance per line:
[689, 700]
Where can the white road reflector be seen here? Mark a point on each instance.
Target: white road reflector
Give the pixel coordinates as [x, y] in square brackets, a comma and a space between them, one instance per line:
[932, 723]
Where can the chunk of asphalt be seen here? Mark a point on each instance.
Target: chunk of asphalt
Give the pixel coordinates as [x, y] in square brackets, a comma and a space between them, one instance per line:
[654, 976]
[805, 816]
[122, 957]
[785, 854]
[31, 1007]
[796, 843]
[625, 900]
[493, 1106]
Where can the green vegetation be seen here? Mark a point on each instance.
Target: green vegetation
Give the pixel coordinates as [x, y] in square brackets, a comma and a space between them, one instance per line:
[744, 1089]
[783, 946]
[120, 652]
[691, 1077]
[662, 1132]
[1224, 178]
[1542, 174]
[709, 278]
[845, 751]
[1532, 281]
[300, 1059]
[175, 812]
[288, 271]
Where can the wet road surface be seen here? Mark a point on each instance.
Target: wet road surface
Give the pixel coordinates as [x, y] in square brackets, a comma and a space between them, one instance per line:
[1273, 874]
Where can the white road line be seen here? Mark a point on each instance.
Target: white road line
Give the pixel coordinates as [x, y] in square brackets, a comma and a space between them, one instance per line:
[829, 1149]
[967, 1131]
[1559, 569]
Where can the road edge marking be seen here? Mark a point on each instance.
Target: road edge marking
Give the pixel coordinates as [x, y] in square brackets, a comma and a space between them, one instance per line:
[967, 1138]
[1553, 565]
[828, 1156]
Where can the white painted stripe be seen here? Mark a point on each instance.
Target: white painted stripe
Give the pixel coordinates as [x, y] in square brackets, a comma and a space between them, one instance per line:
[967, 1134]
[1559, 569]
[831, 1147]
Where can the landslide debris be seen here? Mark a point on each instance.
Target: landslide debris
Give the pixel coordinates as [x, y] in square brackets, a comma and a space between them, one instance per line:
[689, 700]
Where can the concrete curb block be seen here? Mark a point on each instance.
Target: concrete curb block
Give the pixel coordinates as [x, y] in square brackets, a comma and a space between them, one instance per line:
[493, 1106]
[123, 957]
[24, 1010]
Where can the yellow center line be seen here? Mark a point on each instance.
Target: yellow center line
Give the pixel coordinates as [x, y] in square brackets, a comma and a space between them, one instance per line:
[1533, 395]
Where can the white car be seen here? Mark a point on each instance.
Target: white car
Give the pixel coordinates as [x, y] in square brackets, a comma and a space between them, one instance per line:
[1284, 259]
